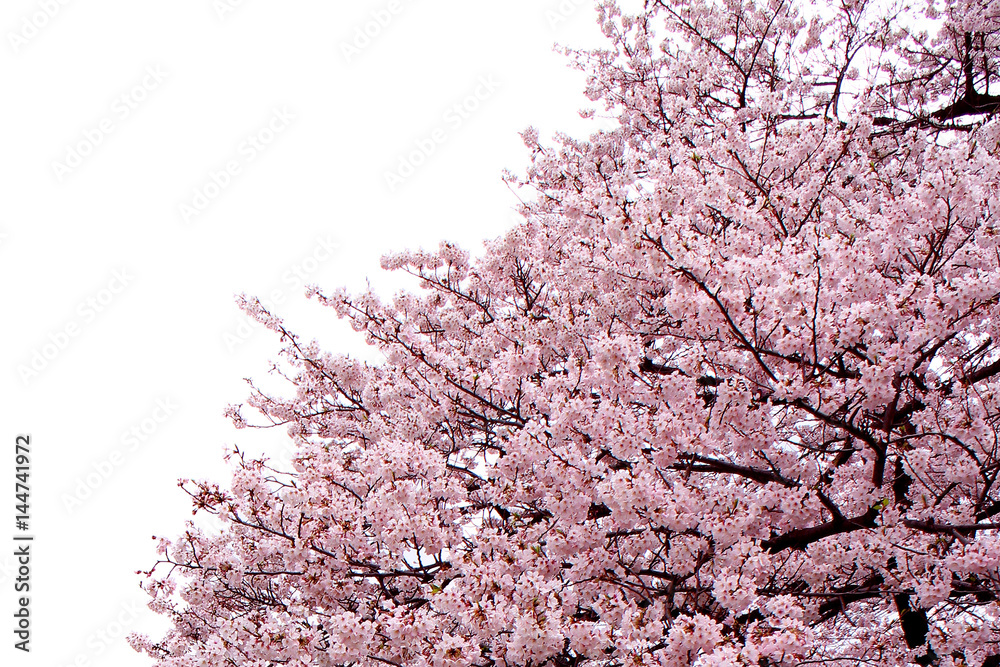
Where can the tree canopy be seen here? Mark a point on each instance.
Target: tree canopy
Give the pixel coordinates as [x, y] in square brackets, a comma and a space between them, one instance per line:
[727, 395]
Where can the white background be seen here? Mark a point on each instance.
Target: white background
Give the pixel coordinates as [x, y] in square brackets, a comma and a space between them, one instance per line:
[163, 334]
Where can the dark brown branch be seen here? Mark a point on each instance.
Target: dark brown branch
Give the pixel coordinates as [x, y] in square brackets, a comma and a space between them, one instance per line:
[800, 538]
[931, 527]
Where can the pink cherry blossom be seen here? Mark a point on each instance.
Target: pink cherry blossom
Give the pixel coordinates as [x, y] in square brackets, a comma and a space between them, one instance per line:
[728, 395]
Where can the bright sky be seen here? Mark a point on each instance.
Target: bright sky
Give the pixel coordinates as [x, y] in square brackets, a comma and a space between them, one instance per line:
[159, 157]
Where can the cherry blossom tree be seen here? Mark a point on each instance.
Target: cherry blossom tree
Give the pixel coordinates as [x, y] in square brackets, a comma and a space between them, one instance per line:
[728, 395]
